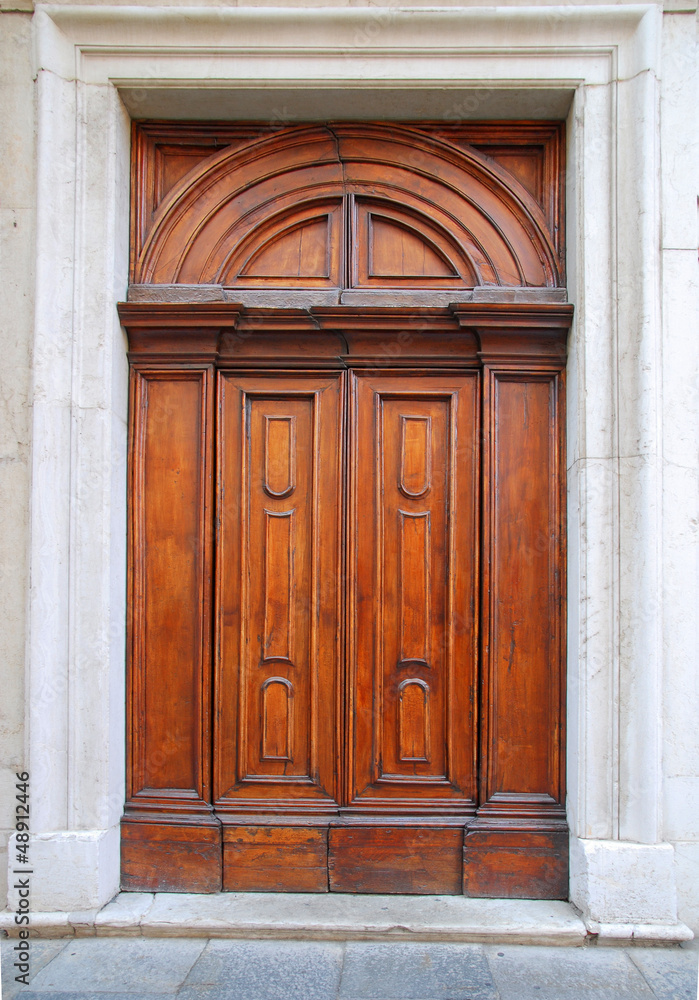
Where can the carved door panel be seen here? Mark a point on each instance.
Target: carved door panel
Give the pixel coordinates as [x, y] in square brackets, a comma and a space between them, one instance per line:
[411, 567]
[277, 729]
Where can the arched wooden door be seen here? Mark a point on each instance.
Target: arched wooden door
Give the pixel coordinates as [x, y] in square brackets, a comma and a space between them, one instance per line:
[346, 513]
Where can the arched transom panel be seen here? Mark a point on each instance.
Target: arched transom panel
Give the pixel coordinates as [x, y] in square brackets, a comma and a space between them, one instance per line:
[349, 206]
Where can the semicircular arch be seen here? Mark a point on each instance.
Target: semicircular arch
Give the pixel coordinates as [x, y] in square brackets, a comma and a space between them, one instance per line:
[352, 206]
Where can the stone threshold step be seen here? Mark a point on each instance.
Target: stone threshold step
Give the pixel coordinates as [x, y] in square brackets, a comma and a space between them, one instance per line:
[345, 917]
[319, 916]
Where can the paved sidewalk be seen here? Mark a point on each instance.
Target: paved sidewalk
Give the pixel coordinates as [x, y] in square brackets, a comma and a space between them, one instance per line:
[220, 969]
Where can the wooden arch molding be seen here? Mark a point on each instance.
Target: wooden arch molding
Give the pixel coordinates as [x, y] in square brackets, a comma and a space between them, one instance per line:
[349, 206]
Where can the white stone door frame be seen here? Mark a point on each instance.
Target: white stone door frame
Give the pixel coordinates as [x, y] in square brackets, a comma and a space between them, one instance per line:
[458, 62]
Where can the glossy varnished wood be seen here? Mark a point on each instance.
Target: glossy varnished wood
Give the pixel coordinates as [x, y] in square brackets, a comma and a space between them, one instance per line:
[278, 584]
[165, 153]
[412, 570]
[346, 555]
[348, 206]
[169, 668]
[275, 858]
[415, 859]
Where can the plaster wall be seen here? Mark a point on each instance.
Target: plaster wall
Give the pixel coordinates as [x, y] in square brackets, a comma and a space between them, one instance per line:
[626, 77]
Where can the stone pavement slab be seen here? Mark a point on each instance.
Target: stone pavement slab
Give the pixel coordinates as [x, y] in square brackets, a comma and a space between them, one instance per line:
[266, 970]
[671, 973]
[529, 973]
[41, 953]
[111, 965]
[196, 969]
[410, 971]
[57, 995]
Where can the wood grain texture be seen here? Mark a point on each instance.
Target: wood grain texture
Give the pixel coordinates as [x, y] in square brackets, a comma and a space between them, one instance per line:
[531, 154]
[378, 534]
[516, 864]
[171, 857]
[277, 667]
[381, 205]
[522, 614]
[389, 859]
[412, 572]
[275, 859]
[170, 574]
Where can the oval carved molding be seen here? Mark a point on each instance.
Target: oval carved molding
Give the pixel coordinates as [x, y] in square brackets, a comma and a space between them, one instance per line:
[349, 206]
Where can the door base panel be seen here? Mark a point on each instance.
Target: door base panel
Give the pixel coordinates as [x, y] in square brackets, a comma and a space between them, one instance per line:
[170, 857]
[516, 864]
[395, 859]
[275, 859]
[204, 858]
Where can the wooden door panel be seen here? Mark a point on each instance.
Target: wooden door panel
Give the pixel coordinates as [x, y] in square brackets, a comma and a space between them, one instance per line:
[303, 247]
[275, 858]
[278, 581]
[392, 246]
[412, 569]
[171, 577]
[168, 818]
[410, 859]
[524, 510]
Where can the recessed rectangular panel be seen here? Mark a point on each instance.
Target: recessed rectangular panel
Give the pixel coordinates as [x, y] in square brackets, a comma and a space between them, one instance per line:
[170, 582]
[277, 547]
[279, 585]
[415, 585]
[412, 562]
[414, 723]
[280, 455]
[277, 719]
[415, 455]
[278, 565]
[523, 510]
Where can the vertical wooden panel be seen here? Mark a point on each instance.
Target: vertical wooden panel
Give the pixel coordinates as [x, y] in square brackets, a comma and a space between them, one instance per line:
[171, 581]
[169, 676]
[414, 720]
[278, 586]
[412, 562]
[523, 512]
[277, 719]
[518, 844]
[415, 456]
[278, 578]
[415, 585]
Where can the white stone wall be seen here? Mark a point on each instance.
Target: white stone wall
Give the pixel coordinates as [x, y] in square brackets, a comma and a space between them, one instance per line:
[678, 596]
[17, 248]
[625, 75]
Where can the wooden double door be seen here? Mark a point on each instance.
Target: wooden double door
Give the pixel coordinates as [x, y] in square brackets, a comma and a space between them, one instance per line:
[346, 681]
[346, 631]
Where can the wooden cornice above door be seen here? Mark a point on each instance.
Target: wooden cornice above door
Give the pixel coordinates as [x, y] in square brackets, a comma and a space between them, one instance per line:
[345, 206]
